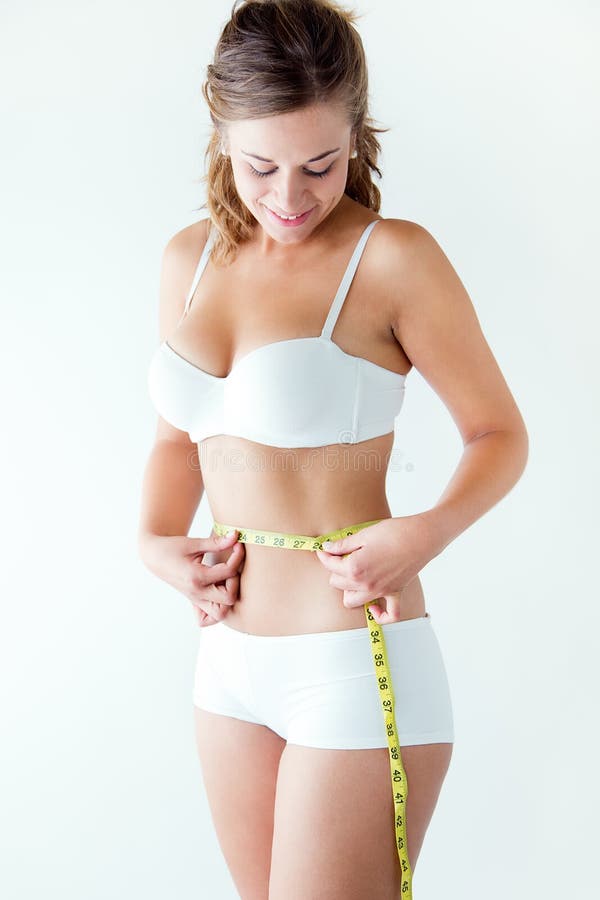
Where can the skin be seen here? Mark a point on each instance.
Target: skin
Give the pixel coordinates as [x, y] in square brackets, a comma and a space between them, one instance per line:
[290, 179]
[406, 306]
[285, 186]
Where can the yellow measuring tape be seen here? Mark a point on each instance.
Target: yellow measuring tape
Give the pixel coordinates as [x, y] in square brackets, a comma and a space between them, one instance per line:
[399, 780]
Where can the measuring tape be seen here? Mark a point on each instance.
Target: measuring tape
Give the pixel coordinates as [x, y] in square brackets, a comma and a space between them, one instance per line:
[382, 672]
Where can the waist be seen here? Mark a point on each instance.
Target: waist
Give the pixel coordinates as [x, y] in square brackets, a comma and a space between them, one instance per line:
[290, 540]
[285, 592]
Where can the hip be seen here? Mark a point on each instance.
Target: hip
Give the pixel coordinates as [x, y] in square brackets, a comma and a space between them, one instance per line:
[321, 689]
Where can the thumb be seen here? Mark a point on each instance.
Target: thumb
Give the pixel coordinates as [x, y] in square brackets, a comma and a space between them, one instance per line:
[213, 541]
[342, 545]
[223, 539]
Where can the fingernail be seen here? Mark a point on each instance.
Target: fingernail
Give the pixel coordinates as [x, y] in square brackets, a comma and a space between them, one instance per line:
[327, 545]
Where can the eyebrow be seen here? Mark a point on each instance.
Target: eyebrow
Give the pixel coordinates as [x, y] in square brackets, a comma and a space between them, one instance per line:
[312, 159]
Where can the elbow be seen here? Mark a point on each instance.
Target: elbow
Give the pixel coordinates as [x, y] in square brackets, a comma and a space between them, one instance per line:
[515, 446]
[520, 438]
[518, 448]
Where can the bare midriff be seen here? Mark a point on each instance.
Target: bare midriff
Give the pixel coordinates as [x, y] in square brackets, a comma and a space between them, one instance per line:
[308, 491]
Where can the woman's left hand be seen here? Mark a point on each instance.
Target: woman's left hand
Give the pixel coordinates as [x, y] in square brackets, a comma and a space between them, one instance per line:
[377, 562]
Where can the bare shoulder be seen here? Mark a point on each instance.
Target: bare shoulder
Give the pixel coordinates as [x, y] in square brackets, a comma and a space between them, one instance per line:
[392, 248]
[434, 320]
[179, 260]
[178, 264]
[396, 239]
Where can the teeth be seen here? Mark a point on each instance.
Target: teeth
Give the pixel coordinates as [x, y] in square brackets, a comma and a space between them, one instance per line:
[288, 218]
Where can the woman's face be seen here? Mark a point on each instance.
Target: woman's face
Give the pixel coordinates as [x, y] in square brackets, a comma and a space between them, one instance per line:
[290, 179]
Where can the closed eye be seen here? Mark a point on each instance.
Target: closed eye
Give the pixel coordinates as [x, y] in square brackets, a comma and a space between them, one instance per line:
[306, 172]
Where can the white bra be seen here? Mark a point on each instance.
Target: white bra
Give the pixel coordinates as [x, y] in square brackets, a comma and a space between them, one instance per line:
[301, 392]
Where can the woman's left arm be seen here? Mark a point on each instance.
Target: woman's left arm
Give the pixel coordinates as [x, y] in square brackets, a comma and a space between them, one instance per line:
[433, 319]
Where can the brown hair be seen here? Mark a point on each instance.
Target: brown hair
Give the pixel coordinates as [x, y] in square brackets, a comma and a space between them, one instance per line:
[276, 56]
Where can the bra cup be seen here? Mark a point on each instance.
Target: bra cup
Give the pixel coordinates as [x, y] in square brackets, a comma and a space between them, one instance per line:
[178, 394]
[295, 390]
[300, 392]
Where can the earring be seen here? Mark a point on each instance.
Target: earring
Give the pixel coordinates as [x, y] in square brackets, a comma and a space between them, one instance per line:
[354, 154]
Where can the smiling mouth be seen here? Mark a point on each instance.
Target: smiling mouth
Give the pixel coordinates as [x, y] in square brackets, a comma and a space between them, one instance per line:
[288, 215]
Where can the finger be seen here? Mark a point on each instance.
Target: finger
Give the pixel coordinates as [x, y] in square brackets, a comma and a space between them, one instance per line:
[201, 616]
[204, 598]
[381, 616]
[352, 599]
[376, 612]
[224, 595]
[207, 620]
[392, 611]
[234, 560]
[345, 544]
[211, 609]
[350, 542]
[232, 587]
[343, 583]
[220, 571]
[335, 563]
[219, 610]
[243, 559]
[216, 593]
[238, 554]
[212, 542]
[386, 611]
[239, 549]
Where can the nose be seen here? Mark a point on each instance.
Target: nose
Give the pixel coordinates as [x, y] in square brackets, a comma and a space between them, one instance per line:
[289, 193]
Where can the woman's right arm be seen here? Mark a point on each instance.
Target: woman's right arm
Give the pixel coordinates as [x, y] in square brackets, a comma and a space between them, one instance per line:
[172, 486]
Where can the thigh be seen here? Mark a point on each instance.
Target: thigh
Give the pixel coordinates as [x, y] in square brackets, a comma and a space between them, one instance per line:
[240, 761]
[334, 832]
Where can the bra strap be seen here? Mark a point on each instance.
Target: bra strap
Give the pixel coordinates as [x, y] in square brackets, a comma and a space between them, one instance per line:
[199, 269]
[339, 298]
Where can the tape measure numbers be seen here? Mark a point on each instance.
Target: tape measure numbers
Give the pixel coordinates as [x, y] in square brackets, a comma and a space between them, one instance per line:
[382, 672]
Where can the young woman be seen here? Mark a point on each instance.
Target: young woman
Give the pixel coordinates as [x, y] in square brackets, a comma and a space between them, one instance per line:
[290, 318]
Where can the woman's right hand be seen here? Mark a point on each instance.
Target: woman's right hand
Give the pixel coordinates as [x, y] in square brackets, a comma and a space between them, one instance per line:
[206, 570]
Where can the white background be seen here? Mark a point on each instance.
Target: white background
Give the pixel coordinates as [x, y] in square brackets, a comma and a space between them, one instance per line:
[493, 110]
